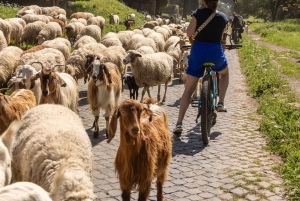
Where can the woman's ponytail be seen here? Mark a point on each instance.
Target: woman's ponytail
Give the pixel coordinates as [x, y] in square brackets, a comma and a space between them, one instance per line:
[212, 4]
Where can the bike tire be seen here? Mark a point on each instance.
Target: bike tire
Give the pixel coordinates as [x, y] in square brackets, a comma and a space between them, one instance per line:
[206, 103]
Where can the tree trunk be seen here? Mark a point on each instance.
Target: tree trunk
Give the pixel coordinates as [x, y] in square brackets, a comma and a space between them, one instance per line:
[153, 7]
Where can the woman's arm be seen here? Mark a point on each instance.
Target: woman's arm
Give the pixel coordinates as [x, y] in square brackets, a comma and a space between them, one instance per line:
[192, 27]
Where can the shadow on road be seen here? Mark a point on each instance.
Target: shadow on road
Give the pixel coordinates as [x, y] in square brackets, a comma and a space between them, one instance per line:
[95, 141]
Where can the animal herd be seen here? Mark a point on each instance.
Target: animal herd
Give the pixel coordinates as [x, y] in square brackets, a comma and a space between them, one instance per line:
[45, 151]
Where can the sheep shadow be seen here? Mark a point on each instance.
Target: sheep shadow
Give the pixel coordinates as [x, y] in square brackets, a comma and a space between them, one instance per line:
[175, 82]
[175, 104]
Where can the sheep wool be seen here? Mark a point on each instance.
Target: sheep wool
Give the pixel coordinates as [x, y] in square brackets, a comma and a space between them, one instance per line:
[55, 153]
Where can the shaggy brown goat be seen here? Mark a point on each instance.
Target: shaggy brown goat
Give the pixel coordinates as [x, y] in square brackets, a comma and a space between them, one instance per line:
[104, 90]
[14, 106]
[145, 148]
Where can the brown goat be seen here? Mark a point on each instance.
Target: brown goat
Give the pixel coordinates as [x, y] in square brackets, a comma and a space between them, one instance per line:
[104, 90]
[58, 88]
[145, 148]
[129, 23]
[35, 49]
[14, 106]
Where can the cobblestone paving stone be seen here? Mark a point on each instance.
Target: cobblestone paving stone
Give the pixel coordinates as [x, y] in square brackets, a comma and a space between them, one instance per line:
[235, 165]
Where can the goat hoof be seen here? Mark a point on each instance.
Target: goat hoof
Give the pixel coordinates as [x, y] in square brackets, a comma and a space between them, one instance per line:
[106, 133]
[96, 135]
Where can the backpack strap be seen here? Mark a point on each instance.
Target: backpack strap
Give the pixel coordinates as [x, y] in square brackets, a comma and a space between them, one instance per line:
[206, 22]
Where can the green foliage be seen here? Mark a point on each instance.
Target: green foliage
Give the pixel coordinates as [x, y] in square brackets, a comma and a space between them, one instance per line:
[8, 10]
[280, 121]
[285, 33]
[104, 8]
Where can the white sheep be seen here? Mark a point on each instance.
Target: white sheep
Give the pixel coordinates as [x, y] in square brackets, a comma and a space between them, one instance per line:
[3, 42]
[62, 47]
[90, 30]
[16, 32]
[31, 31]
[150, 70]
[148, 18]
[58, 11]
[54, 152]
[88, 15]
[111, 39]
[9, 57]
[6, 28]
[49, 32]
[6, 143]
[171, 41]
[25, 191]
[137, 31]
[138, 40]
[63, 40]
[32, 18]
[104, 91]
[166, 34]
[36, 9]
[82, 41]
[151, 24]
[61, 17]
[48, 56]
[98, 20]
[159, 40]
[132, 16]
[73, 29]
[124, 37]
[145, 50]
[80, 20]
[147, 31]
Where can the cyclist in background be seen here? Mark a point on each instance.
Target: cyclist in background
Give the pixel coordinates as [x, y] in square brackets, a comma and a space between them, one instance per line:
[237, 22]
[206, 48]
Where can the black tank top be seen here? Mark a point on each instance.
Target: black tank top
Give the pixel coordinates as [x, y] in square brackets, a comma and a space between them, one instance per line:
[213, 31]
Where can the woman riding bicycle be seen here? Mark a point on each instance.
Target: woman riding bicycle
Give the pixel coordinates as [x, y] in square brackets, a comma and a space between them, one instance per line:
[206, 48]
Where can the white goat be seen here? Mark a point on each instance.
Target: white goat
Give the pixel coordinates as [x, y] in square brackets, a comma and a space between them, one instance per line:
[104, 90]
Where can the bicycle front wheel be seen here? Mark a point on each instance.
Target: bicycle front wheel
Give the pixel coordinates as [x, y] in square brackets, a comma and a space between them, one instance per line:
[206, 103]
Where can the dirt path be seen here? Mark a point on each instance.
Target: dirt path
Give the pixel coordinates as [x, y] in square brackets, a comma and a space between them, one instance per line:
[293, 82]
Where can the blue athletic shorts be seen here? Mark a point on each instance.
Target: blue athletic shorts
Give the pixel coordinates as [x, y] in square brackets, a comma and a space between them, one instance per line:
[203, 52]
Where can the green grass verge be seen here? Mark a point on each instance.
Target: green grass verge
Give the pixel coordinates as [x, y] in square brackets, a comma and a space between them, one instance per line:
[104, 8]
[280, 121]
[8, 10]
[284, 33]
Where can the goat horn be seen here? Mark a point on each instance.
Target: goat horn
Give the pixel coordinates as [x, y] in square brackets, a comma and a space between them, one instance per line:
[38, 62]
[22, 61]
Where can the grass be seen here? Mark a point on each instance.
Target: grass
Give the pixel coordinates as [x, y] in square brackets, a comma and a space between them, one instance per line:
[104, 8]
[280, 121]
[284, 33]
[8, 10]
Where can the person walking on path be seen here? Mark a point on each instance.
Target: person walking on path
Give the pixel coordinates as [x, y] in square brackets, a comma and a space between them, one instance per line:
[206, 48]
[237, 23]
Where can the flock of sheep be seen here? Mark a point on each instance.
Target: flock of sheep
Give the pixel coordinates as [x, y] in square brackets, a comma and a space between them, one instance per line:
[50, 149]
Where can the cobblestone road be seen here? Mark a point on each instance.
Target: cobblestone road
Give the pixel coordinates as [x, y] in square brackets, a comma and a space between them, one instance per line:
[235, 166]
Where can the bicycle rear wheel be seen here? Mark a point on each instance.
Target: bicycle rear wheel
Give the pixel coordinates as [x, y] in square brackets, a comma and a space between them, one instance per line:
[206, 104]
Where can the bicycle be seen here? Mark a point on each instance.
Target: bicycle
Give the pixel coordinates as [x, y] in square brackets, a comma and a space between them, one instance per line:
[208, 99]
[235, 35]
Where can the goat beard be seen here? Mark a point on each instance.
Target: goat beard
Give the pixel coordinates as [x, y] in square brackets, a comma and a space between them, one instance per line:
[129, 139]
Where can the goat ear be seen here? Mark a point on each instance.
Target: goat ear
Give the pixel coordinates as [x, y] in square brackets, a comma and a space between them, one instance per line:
[112, 128]
[148, 111]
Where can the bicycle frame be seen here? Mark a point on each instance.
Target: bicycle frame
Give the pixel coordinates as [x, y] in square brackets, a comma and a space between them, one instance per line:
[214, 90]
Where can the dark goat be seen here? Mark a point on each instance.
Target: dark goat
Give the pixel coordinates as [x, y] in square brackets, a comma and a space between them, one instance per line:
[132, 86]
[129, 23]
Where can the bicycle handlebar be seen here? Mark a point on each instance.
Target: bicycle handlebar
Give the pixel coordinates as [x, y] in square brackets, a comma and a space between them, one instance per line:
[232, 46]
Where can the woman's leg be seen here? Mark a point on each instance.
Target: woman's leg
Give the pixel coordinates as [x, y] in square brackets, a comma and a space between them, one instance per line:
[190, 85]
[224, 81]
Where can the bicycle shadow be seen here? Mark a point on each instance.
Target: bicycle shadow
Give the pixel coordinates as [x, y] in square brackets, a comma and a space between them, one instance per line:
[194, 143]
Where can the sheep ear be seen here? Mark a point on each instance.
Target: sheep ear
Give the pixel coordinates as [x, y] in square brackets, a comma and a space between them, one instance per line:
[138, 55]
[112, 128]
